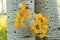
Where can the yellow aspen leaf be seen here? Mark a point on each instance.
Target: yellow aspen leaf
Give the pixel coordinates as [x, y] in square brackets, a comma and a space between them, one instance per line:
[40, 24]
[34, 15]
[24, 10]
[45, 20]
[17, 15]
[42, 35]
[16, 25]
[15, 20]
[22, 22]
[22, 6]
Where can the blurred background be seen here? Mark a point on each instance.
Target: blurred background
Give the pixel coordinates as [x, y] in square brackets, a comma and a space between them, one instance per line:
[58, 4]
[3, 33]
[3, 18]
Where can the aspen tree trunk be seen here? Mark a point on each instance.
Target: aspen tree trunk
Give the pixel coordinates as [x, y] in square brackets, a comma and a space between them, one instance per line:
[19, 33]
[49, 8]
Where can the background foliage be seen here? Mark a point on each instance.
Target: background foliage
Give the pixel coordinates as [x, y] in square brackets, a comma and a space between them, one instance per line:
[3, 33]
